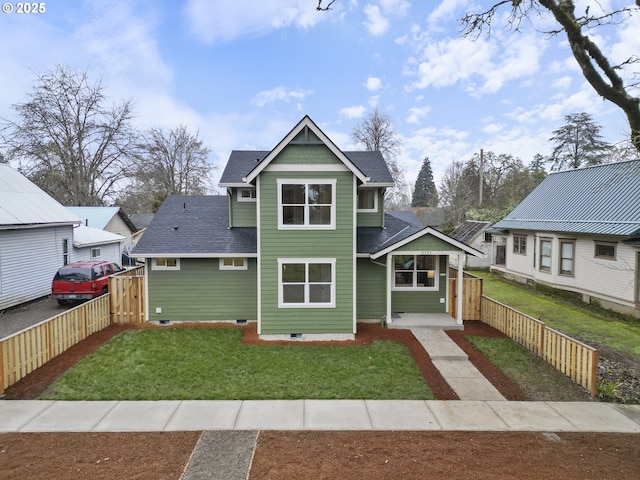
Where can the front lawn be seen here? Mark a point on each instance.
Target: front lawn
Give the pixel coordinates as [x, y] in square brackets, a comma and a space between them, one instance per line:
[590, 326]
[213, 364]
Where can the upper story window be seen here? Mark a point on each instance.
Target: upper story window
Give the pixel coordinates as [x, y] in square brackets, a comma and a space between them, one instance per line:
[520, 244]
[246, 194]
[367, 200]
[306, 204]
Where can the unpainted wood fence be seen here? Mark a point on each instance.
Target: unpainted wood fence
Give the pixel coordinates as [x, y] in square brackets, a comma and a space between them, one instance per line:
[471, 295]
[573, 358]
[24, 351]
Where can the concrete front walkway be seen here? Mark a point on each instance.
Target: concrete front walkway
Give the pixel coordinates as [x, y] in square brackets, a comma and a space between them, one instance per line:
[454, 365]
[192, 415]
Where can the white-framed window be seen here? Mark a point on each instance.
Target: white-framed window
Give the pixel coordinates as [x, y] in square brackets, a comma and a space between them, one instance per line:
[307, 204]
[367, 200]
[96, 252]
[605, 250]
[520, 244]
[567, 254]
[306, 282]
[165, 263]
[545, 254]
[419, 272]
[65, 251]
[233, 263]
[247, 194]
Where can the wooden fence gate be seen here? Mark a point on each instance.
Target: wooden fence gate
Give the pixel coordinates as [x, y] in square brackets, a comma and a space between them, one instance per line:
[128, 300]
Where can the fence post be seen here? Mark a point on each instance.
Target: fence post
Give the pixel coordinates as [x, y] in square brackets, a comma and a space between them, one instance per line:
[1, 368]
[594, 374]
[542, 327]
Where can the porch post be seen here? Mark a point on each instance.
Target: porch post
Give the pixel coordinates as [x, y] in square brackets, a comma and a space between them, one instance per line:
[389, 283]
[459, 288]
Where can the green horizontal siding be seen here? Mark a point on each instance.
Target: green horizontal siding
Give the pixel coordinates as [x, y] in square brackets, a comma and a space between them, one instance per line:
[305, 155]
[373, 219]
[371, 290]
[429, 243]
[200, 291]
[243, 214]
[338, 244]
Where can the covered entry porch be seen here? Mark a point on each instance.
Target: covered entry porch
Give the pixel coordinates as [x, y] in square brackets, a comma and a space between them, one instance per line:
[420, 288]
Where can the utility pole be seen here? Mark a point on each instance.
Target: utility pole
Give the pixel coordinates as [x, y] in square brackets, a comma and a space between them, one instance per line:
[481, 173]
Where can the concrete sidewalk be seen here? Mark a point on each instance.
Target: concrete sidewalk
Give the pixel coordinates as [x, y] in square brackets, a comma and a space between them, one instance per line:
[192, 415]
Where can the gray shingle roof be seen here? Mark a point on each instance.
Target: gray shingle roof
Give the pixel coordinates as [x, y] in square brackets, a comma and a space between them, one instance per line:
[468, 230]
[202, 229]
[603, 199]
[374, 239]
[242, 162]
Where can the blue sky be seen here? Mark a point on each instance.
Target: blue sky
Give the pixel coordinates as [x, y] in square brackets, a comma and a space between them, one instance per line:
[242, 73]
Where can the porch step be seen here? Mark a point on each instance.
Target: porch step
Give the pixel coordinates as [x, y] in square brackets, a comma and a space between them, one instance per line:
[440, 321]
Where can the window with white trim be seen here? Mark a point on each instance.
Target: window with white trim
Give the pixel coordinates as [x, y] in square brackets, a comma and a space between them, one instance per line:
[418, 272]
[306, 204]
[545, 255]
[233, 263]
[165, 263]
[247, 194]
[520, 244]
[96, 252]
[306, 283]
[367, 200]
[567, 253]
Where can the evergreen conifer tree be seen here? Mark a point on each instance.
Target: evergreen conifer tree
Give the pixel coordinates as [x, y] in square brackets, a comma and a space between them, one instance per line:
[425, 193]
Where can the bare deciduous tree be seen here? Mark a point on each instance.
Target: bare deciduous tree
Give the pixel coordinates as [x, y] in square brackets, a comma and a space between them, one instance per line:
[173, 162]
[68, 141]
[376, 133]
[606, 78]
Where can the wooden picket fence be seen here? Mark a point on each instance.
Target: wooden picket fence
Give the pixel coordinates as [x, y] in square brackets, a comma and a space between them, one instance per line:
[471, 295]
[24, 351]
[573, 358]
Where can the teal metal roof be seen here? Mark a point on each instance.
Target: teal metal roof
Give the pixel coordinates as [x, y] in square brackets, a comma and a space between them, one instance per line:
[603, 200]
[97, 217]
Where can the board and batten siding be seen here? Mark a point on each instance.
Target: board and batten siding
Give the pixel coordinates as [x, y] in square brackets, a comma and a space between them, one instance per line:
[308, 244]
[371, 289]
[29, 259]
[200, 291]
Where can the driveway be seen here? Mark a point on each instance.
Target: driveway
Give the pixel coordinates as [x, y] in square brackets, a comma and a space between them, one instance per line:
[18, 318]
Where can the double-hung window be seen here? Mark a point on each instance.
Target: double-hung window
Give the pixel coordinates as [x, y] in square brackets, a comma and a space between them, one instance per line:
[545, 255]
[416, 272]
[520, 244]
[566, 257]
[306, 204]
[306, 282]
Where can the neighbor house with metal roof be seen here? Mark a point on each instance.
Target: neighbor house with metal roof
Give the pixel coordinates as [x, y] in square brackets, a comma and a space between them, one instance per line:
[579, 231]
[474, 233]
[301, 244]
[36, 238]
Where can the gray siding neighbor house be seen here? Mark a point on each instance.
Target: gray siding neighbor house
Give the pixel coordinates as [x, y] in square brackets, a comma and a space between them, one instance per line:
[474, 233]
[301, 244]
[36, 238]
[579, 231]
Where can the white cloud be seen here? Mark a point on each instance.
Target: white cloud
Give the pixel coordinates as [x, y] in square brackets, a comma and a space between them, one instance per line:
[446, 11]
[353, 112]
[415, 114]
[562, 82]
[376, 23]
[397, 8]
[224, 21]
[373, 84]
[279, 94]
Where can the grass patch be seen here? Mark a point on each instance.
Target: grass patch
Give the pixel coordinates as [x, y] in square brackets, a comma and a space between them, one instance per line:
[213, 364]
[537, 379]
[598, 329]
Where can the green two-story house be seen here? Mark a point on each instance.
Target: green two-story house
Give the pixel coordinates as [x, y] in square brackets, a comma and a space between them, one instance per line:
[301, 244]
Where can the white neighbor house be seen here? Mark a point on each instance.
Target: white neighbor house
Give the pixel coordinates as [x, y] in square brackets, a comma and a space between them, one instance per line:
[579, 231]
